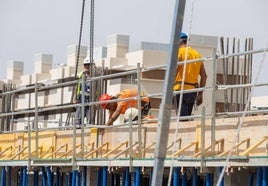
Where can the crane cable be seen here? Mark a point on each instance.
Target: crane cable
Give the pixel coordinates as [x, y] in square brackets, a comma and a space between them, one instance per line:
[77, 57]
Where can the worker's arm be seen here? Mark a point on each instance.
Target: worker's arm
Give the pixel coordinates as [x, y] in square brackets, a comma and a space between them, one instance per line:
[203, 81]
[114, 115]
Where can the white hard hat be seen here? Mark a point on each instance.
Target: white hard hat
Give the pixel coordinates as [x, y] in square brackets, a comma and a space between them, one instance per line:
[87, 61]
[131, 113]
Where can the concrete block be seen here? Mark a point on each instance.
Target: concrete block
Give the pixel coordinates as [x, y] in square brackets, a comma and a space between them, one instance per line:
[43, 63]
[69, 71]
[37, 77]
[117, 51]
[115, 63]
[122, 40]
[57, 73]
[15, 70]
[147, 58]
[72, 55]
[26, 79]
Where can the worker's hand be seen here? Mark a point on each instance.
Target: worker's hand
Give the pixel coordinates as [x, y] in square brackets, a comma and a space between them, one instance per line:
[199, 98]
[109, 122]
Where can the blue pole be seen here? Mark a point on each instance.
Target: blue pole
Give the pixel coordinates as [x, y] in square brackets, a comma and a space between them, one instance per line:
[67, 179]
[77, 179]
[259, 176]
[36, 178]
[208, 179]
[184, 180]
[58, 176]
[74, 172]
[49, 177]
[3, 176]
[127, 177]
[84, 176]
[25, 176]
[151, 176]
[44, 177]
[176, 176]
[265, 176]
[138, 176]
[251, 179]
[99, 176]
[219, 173]
[194, 177]
[104, 176]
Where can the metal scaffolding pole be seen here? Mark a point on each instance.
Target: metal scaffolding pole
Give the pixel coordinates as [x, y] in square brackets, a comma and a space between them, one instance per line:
[166, 103]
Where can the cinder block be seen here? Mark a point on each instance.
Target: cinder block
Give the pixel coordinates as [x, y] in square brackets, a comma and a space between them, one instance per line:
[43, 63]
[72, 55]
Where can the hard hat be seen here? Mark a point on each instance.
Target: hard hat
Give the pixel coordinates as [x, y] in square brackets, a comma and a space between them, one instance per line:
[87, 61]
[131, 113]
[184, 36]
[105, 97]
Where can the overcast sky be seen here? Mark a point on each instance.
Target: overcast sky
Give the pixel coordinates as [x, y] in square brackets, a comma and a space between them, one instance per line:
[29, 27]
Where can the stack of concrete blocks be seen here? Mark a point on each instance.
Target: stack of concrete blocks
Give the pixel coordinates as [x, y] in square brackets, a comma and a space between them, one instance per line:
[14, 72]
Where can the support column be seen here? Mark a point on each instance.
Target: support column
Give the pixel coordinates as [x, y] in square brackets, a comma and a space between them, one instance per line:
[3, 176]
[104, 176]
[259, 176]
[176, 176]
[265, 176]
[36, 177]
[137, 176]
[84, 176]
[194, 177]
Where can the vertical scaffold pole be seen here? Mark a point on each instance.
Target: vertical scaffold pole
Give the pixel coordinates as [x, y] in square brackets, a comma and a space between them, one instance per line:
[74, 172]
[3, 176]
[166, 103]
[213, 100]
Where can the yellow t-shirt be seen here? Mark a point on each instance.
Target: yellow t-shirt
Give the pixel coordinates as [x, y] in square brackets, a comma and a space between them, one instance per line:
[192, 69]
[128, 93]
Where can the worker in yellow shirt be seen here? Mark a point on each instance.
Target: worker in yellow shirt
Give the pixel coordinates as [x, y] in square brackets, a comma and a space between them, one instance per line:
[125, 106]
[192, 73]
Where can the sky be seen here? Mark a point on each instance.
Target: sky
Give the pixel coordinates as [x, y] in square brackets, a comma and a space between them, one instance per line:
[29, 27]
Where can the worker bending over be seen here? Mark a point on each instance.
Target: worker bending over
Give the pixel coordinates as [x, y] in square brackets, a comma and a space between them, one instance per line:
[126, 107]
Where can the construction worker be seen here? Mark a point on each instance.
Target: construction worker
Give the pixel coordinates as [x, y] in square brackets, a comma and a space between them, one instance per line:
[127, 107]
[87, 93]
[192, 73]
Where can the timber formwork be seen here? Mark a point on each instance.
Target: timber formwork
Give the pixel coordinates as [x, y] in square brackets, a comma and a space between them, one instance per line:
[114, 152]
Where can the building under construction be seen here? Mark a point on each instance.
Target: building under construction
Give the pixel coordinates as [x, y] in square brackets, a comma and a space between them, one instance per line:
[40, 144]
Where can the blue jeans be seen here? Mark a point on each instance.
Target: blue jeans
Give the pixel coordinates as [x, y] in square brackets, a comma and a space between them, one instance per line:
[79, 115]
[187, 104]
